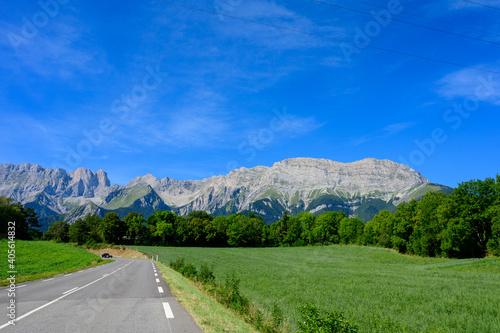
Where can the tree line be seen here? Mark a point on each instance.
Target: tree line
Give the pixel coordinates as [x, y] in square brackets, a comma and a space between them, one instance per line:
[198, 228]
[465, 223]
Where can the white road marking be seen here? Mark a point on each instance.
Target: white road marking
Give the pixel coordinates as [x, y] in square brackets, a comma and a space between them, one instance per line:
[24, 285]
[48, 279]
[70, 290]
[59, 298]
[157, 280]
[68, 274]
[156, 274]
[168, 311]
[160, 289]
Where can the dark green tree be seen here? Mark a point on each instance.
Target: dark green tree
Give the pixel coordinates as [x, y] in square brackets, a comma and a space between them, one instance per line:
[93, 221]
[111, 228]
[79, 232]
[326, 227]
[216, 231]
[351, 230]
[136, 227]
[494, 242]
[25, 219]
[58, 231]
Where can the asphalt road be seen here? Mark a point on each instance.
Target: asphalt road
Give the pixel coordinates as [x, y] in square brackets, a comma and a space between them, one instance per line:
[127, 295]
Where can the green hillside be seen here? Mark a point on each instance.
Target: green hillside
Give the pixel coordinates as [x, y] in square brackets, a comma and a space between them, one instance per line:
[371, 286]
[37, 259]
[428, 187]
[126, 197]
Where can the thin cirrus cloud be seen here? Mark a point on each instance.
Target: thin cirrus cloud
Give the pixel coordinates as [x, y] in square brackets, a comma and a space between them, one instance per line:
[459, 4]
[470, 83]
[387, 131]
[264, 35]
[59, 50]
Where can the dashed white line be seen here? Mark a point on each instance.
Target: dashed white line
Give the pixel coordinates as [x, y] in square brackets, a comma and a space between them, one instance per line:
[156, 274]
[160, 290]
[59, 298]
[168, 311]
[48, 279]
[157, 280]
[68, 274]
[24, 285]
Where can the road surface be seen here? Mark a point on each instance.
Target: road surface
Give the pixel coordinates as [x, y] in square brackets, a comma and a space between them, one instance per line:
[127, 295]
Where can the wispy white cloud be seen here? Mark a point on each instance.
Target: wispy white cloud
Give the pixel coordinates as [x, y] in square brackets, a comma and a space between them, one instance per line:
[387, 131]
[472, 84]
[460, 4]
[396, 128]
[274, 38]
[61, 49]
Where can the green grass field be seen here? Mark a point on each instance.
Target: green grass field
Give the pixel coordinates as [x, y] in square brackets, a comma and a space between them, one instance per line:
[375, 288]
[38, 259]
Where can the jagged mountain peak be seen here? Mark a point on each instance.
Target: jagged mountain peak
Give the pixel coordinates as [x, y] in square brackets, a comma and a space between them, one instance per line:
[295, 184]
[147, 179]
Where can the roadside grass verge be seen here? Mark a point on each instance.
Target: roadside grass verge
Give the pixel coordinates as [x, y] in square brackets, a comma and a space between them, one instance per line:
[211, 316]
[36, 260]
[375, 288]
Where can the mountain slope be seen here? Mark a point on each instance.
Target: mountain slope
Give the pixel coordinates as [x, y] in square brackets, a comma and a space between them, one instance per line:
[360, 188]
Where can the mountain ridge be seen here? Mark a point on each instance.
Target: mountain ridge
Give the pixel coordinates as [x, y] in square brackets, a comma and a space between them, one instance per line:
[293, 185]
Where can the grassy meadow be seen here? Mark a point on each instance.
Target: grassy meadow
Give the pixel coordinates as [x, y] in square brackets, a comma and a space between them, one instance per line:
[39, 259]
[377, 289]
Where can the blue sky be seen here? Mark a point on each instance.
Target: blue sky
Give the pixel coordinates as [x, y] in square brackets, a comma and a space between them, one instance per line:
[137, 87]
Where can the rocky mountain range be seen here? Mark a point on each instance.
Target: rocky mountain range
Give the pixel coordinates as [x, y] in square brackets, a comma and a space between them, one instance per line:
[295, 185]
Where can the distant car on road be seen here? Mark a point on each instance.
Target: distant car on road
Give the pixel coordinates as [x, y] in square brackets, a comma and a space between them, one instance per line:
[106, 255]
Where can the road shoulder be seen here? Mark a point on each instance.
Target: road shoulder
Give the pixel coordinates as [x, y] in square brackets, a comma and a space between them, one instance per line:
[211, 316]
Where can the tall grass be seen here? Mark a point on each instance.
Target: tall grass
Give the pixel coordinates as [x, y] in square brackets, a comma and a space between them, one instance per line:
[377, 289]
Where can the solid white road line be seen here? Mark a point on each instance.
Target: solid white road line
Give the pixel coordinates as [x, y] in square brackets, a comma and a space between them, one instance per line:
[59, 298]
[70, 290]
[160, 290]
[168, 311]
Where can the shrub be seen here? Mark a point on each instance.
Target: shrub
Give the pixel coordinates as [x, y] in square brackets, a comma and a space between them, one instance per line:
[314, 322]
[189, 271]
[177, 265]
[230, 295]
[206, 276]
